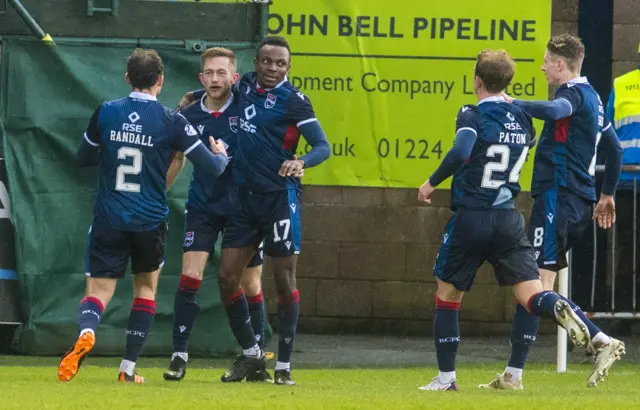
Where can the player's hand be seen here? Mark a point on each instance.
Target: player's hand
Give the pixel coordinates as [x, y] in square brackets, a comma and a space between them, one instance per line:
[425, 192]
[507, 98]
[291, 168]
[301, 173]
[217, 146]
[186, 100]
[605, 211]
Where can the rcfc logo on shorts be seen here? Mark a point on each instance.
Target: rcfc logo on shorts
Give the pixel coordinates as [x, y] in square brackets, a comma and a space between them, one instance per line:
[270, 101]
[188, 239]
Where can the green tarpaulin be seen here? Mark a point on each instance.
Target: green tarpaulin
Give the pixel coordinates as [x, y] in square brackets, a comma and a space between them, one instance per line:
[48, 94]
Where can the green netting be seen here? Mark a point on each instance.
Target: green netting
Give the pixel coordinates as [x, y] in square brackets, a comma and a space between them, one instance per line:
[48, 94]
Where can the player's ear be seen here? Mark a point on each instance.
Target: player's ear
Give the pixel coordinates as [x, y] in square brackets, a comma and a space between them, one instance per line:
[477, 82]
[201, 78]
[236, 76]
[126, 78]
[160, 80]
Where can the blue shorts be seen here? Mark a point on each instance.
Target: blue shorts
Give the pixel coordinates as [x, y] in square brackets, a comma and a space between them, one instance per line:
[201, 232]
[558, 220]
[109, 250]
[493, 235]
[274, 216]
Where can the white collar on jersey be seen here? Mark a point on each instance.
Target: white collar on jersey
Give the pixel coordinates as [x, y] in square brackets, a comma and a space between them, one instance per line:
[286, 78]
[142, 96]
[221, 110]
[578, 80]
[493, 98]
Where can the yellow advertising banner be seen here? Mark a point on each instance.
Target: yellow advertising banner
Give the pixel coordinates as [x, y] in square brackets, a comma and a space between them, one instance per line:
[387, 78]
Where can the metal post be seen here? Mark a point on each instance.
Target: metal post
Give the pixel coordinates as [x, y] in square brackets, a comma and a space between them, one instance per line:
[29, 21]
[635, 228]
[595, 264]
[561, 344]
[613, 265]
[263, 30]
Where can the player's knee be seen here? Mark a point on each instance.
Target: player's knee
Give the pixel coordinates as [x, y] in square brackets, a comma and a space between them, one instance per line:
[251, 282]
[548, 279]
[192, 272]
[193, 264]
[448, 293]
[101, 289]
[145, 285]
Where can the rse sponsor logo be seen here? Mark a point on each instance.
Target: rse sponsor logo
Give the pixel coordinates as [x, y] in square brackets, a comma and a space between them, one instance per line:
[133, 117]
[247, 126]
[131, 127]
[249, 113]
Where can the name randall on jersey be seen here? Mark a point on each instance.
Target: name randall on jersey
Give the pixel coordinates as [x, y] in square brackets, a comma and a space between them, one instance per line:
[131, 133]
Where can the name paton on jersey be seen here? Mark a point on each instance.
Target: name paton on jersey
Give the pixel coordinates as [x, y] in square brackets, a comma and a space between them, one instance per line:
[132, 134]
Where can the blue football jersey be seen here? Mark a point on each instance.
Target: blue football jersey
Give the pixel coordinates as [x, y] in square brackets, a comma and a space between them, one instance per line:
[566, 154]
[137, 137]
[206, 194]
[489, 178]
[268, 133]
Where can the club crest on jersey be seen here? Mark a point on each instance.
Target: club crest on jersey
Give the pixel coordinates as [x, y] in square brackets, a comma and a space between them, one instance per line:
[233, 124]
[270, 101]
[190, 130]
[188, 238]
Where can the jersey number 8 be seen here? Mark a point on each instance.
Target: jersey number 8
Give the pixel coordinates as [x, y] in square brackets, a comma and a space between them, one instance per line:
[501, 166]
[124, 170]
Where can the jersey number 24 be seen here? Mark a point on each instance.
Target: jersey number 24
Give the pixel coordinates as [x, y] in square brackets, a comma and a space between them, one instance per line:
[504, 151]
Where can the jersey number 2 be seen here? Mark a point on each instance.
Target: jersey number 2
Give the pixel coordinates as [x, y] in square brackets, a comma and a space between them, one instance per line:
[124, 170]
[501, 166]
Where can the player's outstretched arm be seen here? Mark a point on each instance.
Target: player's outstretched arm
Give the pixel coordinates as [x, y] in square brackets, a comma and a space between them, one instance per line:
[189, 98]
[466, 135]
[187, 140]
[546, 110]
[563, 106]
[205, 161]
[177, 163]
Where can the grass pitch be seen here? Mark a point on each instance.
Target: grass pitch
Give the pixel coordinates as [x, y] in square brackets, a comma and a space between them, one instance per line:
[31, 383]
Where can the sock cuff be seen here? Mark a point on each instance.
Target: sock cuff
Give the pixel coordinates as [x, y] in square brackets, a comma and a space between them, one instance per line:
[96, 301]
[234, 297]
[444, 305]
[144, 305]
[287, 300]
[189, 284]
[254, 300]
